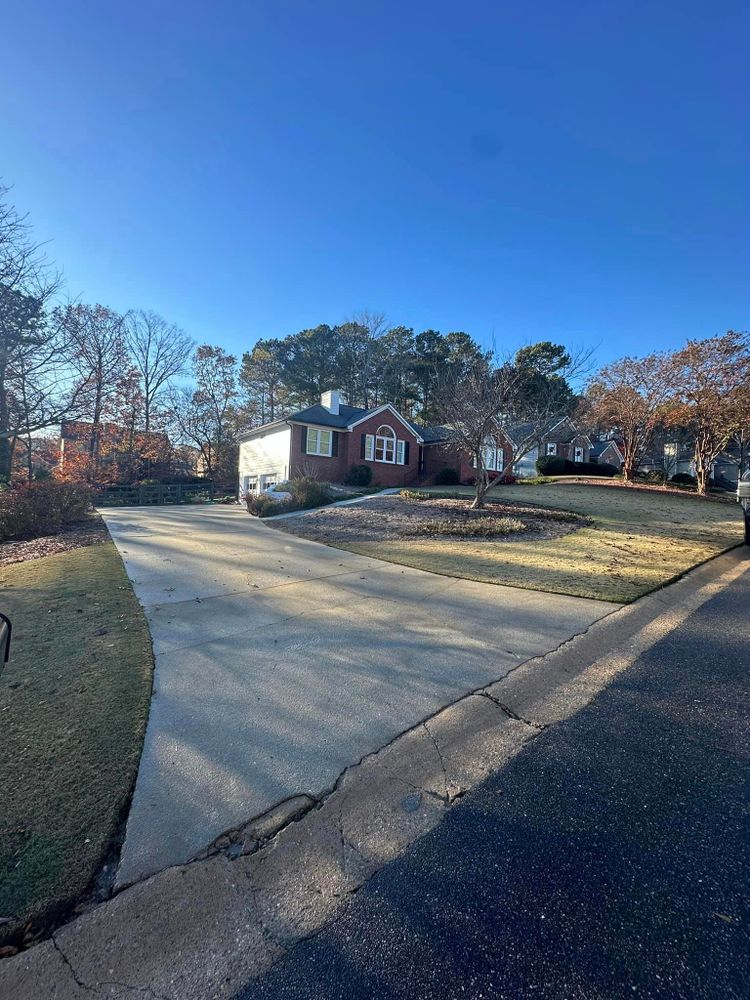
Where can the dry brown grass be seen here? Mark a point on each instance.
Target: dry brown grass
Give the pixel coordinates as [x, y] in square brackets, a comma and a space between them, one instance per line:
[633, 541]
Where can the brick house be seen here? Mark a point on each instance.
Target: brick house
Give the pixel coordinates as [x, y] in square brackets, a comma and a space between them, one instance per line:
[324, 441]
[607, 453]
[438, 454]
[561, 438]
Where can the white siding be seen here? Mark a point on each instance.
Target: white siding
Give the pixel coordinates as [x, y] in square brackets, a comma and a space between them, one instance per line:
[266, 454]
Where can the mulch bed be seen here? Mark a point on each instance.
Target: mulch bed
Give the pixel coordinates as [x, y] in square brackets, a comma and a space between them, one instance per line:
[390, 517]
[72, 536]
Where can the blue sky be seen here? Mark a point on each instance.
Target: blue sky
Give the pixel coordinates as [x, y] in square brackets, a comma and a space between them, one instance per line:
[567, 171]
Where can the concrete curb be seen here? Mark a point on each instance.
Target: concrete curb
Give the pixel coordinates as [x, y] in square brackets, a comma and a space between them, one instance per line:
[204, 929]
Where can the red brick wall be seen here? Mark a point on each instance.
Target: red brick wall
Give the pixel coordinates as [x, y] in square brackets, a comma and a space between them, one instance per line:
[329, 470]
[335, 469]
[438, 457]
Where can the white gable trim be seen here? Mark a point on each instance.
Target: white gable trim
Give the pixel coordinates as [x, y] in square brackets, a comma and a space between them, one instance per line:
[390, 408]
[565, 420]
[263, 429]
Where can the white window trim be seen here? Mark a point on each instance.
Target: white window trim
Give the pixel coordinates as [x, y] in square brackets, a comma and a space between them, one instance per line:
[577, 453]
[369, 447]
[551, 448]
[317, 435]
[386, 443]
[400, 452]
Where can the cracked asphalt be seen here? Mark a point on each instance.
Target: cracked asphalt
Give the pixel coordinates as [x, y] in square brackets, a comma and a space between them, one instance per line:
[609, 858]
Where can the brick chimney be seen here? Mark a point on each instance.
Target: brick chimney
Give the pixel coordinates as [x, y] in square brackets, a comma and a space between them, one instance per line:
[331, 400]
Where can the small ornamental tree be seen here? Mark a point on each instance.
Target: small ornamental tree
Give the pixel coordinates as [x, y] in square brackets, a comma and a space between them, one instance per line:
[471, 407]
[630, 398]
[712, 377]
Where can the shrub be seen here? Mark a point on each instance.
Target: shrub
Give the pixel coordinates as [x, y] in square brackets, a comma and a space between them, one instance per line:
[416, 495]
[29, 510]
[308, 493]
[508, 479]
[551, 465]
[594, 469]
[447, 477]
[261, 505]
[359, 475]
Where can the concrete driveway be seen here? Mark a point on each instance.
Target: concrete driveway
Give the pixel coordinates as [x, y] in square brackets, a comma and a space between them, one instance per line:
[280, 662]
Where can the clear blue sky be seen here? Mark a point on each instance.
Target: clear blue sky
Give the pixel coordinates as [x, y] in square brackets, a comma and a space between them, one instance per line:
[567, 171]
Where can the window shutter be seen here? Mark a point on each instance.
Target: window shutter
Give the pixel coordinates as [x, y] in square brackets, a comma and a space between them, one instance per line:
[304, 440]
[362, 446]
[334, 444]
[406, 452]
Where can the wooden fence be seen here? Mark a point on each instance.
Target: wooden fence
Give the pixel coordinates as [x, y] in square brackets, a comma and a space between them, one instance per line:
[151, 495]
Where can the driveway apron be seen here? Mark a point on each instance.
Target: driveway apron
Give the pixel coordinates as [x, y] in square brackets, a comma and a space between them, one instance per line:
[280, 662]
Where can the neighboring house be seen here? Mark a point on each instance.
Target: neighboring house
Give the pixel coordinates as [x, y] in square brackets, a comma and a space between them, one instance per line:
[325, 440]
[561, 438]
[606, 453]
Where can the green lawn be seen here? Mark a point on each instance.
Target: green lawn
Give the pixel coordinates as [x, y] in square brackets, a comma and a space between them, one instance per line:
[638, 541]
[73, 707]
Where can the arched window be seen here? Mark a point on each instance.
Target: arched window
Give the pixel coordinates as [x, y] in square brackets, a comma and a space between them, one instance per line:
[385, 444]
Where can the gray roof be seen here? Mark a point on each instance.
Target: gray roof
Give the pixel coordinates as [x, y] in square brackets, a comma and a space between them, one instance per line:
[430, 435]
[599, 447]
[318, 414]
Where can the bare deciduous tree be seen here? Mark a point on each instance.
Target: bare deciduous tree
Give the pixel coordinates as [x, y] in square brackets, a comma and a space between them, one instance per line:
[100, 357]
[543, 393]
[204, 416]
[471, 407]
[160, 352]
[35, 385]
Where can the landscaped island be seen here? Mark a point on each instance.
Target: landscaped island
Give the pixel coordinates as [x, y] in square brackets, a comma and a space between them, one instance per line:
[614, 544]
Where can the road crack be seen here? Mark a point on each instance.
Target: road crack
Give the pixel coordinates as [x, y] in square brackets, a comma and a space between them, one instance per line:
[511, 714]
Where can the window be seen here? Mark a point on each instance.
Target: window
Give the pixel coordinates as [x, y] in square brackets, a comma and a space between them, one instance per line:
[318, 442]
[250, 484]
[492, 456]
[551, 449]
[385, 444]
[578, 454]
[266, 482]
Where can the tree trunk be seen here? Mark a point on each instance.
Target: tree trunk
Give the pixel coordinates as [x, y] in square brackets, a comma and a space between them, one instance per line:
[702, 472]
[482, 485]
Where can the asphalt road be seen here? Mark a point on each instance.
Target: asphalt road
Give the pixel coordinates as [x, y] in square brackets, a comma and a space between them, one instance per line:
[280, 662]
[610, 859]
